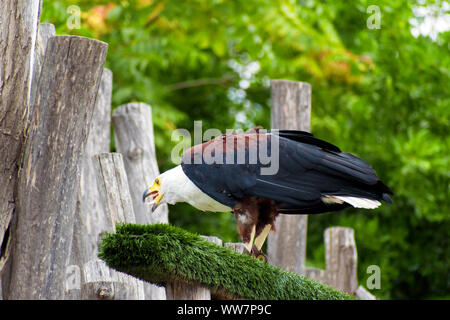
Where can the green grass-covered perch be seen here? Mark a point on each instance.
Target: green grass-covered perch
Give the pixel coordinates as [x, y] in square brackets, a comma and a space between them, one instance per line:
[162, 253]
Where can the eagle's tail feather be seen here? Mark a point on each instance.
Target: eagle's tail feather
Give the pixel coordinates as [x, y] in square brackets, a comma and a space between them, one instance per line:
[356, 202]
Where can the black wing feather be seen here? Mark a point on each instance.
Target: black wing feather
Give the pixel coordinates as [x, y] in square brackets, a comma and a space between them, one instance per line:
[309, 168]
[306, 137]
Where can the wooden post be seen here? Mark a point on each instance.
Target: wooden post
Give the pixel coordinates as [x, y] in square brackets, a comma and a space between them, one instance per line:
[113, 189]
[19, 20]
[316, 274]
[48, 185]
[291, 109]
[99, 281]
[237, 247]
[184, 291]
[103, 283]
[45, 32]
[90, 218]
[341, 257]
[341, 263]
[213, 239]
[133, 131]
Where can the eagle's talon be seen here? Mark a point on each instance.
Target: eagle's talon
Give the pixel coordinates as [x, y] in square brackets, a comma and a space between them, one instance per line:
[255, 253]
[262, 257]
[258, 254]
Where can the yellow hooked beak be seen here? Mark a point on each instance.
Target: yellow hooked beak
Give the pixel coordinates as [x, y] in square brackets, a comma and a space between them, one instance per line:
[154, 192]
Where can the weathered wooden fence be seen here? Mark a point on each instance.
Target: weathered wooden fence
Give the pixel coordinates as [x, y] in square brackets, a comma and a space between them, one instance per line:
[61, 189]
[291, 109]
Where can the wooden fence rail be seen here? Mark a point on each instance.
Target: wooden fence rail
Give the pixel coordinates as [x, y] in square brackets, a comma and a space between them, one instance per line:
[62, 189]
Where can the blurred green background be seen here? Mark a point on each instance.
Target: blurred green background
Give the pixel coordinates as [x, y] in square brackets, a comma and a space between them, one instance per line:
[380, 93]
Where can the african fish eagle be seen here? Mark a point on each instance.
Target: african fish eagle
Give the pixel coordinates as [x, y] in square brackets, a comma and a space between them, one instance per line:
[313, 176]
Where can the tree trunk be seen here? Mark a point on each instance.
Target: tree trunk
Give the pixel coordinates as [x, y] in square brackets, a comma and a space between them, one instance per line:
[48, 185]
[291, 109]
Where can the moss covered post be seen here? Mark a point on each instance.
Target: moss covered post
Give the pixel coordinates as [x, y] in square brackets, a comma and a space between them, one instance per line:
[164, 254]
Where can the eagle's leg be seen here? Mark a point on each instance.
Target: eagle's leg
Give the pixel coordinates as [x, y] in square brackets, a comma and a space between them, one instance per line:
[268, 211]
[246, 213]
[261, 238]
[261, 235]
[249, 244]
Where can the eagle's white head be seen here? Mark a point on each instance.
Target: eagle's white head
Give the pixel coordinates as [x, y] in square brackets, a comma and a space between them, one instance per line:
[174, 186]
[167, 188]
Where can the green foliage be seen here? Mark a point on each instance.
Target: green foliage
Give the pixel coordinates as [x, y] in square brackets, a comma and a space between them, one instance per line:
[161, 253]
[379, 93]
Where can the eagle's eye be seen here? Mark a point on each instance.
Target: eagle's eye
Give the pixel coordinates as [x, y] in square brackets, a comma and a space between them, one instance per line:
[157, 181]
